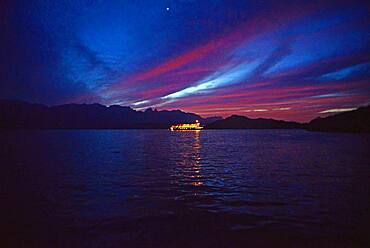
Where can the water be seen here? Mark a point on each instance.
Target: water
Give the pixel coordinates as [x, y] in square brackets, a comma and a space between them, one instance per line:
[156, 188]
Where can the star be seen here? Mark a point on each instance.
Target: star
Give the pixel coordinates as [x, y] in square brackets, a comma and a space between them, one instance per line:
[168, 9]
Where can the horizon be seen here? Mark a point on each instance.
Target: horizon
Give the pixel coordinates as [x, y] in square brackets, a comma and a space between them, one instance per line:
[321, 115]
[288, 60]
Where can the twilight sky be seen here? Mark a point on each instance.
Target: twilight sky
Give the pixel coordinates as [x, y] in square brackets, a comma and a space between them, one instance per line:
[291, 60]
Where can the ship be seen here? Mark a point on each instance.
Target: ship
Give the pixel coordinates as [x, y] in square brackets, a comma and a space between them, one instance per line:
[186, 126]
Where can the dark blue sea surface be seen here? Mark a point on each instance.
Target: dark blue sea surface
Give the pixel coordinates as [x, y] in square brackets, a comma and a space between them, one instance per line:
[210, 188]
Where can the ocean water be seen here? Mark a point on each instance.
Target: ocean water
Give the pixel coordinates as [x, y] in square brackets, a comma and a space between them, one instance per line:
[209, 188]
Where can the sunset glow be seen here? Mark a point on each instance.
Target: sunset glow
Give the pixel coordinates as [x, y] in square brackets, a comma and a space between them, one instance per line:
[213, 58]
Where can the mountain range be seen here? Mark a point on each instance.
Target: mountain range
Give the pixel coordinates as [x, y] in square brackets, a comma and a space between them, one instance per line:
[23, 115]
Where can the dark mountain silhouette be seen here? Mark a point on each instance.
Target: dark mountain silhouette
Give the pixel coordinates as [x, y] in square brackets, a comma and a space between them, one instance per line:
[242, 122]
[212, 119]
[353, 121]
[22, 115]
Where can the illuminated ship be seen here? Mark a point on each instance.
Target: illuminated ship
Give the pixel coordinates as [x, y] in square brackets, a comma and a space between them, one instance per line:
[186, 126]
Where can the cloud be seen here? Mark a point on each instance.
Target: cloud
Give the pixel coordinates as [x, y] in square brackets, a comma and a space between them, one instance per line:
[275, 57]
[226, 76]
[354, 71]
[338, 110]
[285, 108]
[90, 56]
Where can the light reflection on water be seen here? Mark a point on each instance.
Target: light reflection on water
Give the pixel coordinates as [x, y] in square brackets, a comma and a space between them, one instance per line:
[189, 169]
[129, 186]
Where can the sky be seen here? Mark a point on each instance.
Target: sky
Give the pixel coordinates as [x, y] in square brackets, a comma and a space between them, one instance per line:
[290, 60]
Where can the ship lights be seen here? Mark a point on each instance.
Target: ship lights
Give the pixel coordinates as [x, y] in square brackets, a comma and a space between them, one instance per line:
[187, 126]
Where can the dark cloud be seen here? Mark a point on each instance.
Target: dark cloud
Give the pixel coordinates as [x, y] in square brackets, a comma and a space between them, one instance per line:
[91, 57]
[275, 57]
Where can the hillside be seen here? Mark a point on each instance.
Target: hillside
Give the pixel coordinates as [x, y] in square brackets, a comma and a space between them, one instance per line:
[353, 121]
[242, 122]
